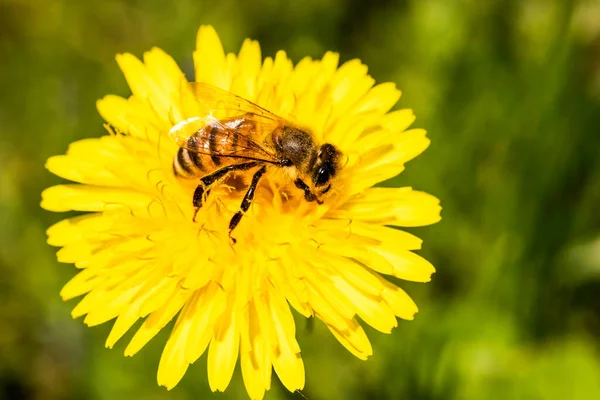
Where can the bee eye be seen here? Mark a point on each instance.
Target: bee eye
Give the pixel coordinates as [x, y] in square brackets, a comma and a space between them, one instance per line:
[322, 175]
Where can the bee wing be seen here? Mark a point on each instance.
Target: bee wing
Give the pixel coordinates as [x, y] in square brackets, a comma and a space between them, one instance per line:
[241, 124]
[223, 104]
[194, 134]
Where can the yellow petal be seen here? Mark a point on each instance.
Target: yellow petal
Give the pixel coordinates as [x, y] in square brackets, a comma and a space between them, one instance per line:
[173, 364]
[277, 84]
[75, 252]
[167, 287]
[310, 84]
[92, 198]
[333, 307]
[406, 265]
[387, 130]
[372, 309]
[380, 99]
[80, 284]
[165, 72]
[387, 235]
[110, 307]
[130, 117]
[209, 307]
[66, 231]
[386, 161]
[397, 299]
[145, 85]
[223, 350]
[254, 356]
[126, 320]
[156, 321]
[288, 282]
[353, 337]
[82, 171]
[247, 69]
[209, 59]
[391, 206]
[397, 121]
[350, 82]
[356, 276]
[275, 315]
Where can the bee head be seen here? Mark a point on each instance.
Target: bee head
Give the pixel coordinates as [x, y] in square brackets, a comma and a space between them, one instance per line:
[326, 166]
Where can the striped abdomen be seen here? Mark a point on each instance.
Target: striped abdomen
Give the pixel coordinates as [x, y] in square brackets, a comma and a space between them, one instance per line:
[214, 146]
[188, 164]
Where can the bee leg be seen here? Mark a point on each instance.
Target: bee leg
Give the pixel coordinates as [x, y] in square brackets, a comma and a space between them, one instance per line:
[308, 195]
[200, 195]
[206, 182]
[235, 220]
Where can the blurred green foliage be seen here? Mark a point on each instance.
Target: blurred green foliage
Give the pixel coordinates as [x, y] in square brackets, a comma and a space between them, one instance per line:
[509, 92]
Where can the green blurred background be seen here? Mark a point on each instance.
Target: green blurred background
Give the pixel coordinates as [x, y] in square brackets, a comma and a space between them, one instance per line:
[509, 92]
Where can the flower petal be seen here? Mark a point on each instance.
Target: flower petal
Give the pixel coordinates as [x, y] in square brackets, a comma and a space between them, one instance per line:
[92, 198]
[157, 320]
[353, 338]
[247, 69]
[372, 309]
[209, 307]
[274, 314]
[373, 163]
[405, 264]
[391, 206]
[397, 299]
[223, 350]
[255, 356]
[158, 289]
[172, 365]
[209, 59]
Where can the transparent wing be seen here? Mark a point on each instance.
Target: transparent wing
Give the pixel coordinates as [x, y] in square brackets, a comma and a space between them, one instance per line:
[221, 138]
[219, 123]
[224, 104]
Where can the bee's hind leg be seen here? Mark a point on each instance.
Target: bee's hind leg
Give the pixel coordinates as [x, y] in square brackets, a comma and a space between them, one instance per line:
[200, 194]
[206, 182]
[235, 220]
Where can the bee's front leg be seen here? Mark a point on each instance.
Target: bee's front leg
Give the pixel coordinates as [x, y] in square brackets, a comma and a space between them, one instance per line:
[308, 195]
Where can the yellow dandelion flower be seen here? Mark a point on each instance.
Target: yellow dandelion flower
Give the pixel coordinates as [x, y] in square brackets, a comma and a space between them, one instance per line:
[142, 256]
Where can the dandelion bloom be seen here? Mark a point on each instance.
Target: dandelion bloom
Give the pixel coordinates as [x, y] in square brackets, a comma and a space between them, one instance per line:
[142, 256]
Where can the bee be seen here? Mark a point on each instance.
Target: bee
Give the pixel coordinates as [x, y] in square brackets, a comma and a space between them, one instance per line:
[232, 135]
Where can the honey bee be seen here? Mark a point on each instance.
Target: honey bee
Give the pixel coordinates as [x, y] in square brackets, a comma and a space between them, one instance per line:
[247, 138]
